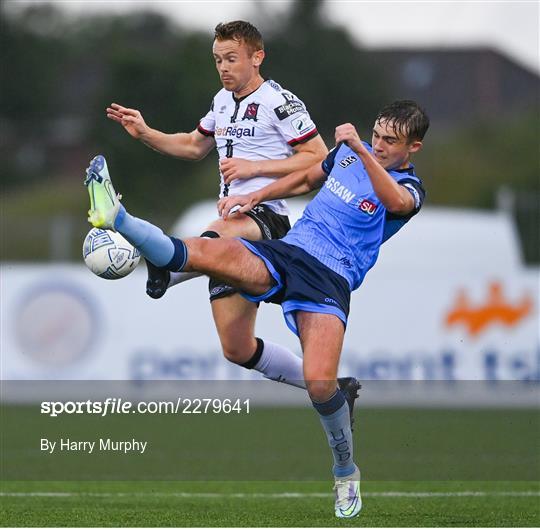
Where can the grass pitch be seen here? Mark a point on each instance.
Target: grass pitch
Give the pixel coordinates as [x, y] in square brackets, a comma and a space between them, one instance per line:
[276, 504]
[420, 468]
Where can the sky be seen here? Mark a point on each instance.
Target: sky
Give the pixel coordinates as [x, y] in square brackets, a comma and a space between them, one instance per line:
[508, 26]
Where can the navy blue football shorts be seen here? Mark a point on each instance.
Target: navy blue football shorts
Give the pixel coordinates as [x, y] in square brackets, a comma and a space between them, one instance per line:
[303, 283]
[272, 226]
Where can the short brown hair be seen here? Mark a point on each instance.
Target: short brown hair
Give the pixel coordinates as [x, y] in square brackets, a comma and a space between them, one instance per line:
[407, 117]
[240, 31]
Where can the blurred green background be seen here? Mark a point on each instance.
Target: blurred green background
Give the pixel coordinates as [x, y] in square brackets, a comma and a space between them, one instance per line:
[59, 73]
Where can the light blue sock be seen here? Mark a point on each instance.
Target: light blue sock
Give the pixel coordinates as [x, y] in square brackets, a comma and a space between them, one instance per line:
[149, 239]
[335, 419]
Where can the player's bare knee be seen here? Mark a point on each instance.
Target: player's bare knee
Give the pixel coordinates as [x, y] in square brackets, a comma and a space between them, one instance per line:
[321, 391]
[219, 227]
[236, 355]
[240, 225]
[245, 352]
[239, 353]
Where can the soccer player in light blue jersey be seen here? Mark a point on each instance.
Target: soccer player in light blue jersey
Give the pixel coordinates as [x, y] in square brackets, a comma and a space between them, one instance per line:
[368, 193]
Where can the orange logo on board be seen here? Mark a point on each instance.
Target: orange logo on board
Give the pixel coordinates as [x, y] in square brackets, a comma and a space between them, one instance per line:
[496, 310]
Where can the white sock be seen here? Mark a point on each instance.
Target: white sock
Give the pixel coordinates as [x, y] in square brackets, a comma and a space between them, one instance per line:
[179, 277]
[280, 364]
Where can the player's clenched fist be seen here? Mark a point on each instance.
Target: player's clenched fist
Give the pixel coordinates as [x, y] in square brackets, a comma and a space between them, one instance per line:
[237, 168]
[347, 133]
[130, 119]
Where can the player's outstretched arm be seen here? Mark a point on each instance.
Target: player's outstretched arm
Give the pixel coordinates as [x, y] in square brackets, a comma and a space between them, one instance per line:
[297, 183]
[394, 197]
[312, 152]
[189, 146]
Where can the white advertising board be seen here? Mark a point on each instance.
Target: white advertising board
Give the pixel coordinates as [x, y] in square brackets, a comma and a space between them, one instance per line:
[448, 300]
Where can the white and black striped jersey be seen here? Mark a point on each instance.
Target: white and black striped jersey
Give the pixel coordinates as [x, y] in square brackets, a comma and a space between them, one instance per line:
[264, 125]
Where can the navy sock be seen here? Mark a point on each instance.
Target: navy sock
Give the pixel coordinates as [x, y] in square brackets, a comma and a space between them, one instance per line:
[179, 259]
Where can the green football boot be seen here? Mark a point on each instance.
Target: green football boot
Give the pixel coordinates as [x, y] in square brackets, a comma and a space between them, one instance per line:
[104, 202]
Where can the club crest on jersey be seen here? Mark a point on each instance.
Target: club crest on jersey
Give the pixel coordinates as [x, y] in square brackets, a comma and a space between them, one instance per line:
[367, 207]
[347, 161]
[251, 112]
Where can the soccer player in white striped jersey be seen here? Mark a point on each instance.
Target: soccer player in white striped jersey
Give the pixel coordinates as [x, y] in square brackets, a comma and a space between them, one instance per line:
[261, 132]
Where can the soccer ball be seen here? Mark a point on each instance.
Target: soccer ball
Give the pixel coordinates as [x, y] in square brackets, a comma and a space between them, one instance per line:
[108, 254]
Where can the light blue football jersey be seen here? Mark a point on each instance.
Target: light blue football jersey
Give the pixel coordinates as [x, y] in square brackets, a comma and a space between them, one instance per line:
[345, 224]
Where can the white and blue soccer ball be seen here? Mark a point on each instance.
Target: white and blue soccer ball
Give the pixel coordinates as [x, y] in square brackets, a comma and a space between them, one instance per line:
[108, 255]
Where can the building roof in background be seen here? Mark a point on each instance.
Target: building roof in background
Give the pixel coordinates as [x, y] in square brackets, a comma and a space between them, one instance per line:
[458, 85]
